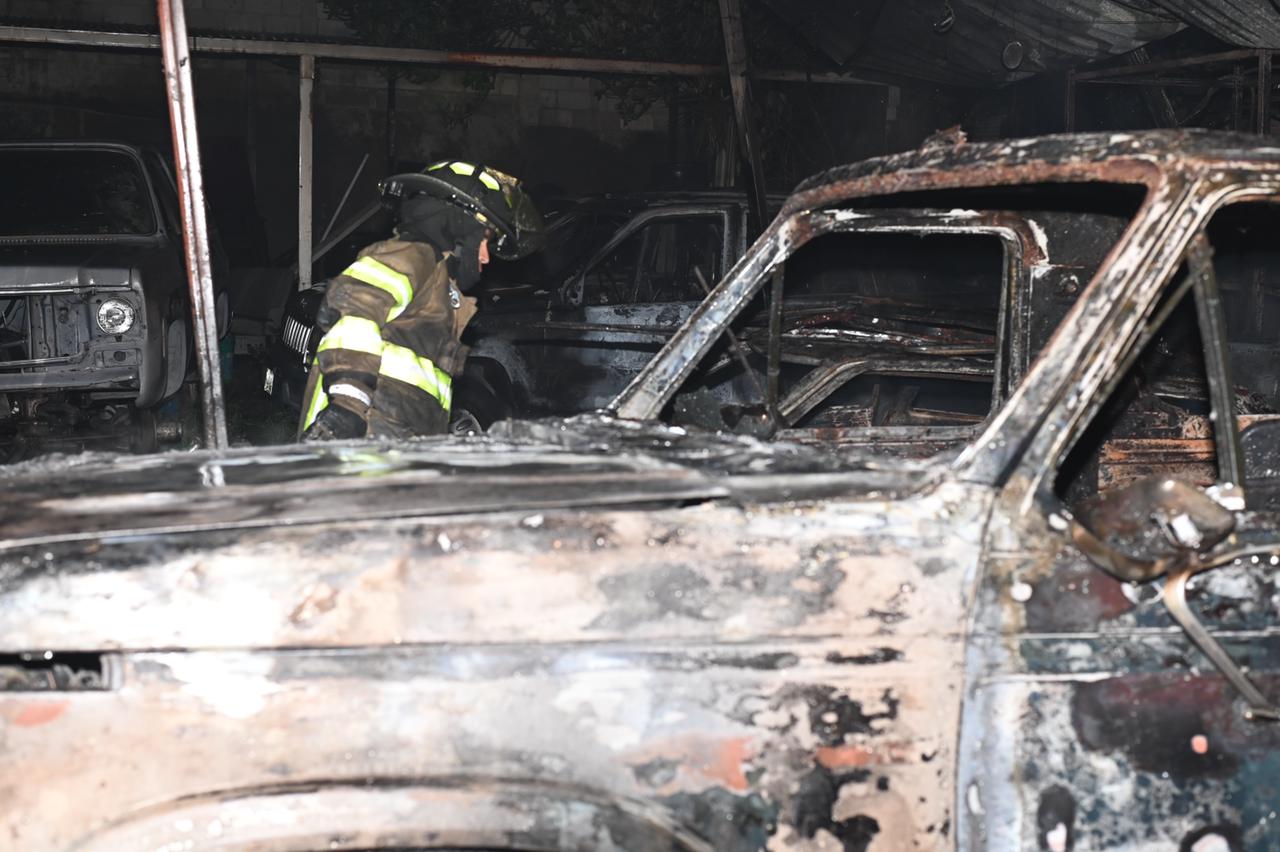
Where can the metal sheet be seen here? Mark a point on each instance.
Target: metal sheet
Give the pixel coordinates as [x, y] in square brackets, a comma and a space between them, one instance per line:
[912, 39]
[1248, 23]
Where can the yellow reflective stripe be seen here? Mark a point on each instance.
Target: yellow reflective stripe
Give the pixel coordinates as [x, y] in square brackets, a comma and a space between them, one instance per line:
[354, 334]
[319, 402]
[385, 278]
[445, 383]
[468, 170]
[402, 364]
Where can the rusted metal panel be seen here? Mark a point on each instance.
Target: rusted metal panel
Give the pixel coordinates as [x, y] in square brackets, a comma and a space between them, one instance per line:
[1127, 459]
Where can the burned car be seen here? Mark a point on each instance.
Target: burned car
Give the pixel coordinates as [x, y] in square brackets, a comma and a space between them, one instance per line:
[942, 627]
[563, 331]
[94, 318]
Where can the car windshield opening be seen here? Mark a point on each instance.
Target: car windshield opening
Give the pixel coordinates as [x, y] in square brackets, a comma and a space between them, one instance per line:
[73, 192]
[906, 323]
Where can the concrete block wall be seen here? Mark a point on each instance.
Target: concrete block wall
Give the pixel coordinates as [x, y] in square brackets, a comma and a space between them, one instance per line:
[550, 130]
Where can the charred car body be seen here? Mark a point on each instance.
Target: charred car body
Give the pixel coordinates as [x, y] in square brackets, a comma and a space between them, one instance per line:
[942, 628]
[94, 323]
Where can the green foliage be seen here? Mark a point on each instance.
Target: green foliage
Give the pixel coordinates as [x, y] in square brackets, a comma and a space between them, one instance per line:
[434, 24]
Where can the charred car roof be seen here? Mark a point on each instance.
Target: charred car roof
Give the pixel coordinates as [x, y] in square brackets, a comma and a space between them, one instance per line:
[987, 163]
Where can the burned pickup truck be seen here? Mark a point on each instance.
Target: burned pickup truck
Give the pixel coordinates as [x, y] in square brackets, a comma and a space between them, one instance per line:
[94, 322]
[980, 620]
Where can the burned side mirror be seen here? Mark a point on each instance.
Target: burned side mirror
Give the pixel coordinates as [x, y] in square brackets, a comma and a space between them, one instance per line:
[1138, 531]
[571, 292]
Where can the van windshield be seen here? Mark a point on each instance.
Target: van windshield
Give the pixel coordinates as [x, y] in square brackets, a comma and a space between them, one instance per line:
[73, 192]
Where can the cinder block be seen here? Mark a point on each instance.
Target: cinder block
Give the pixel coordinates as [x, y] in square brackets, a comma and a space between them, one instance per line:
[531, 85]
[507, 84]
[328, 27]
[528, 111]
[566, 83]
[555, 118]
[576, 100]
[279, 23]
[642, 124]
[244, 22]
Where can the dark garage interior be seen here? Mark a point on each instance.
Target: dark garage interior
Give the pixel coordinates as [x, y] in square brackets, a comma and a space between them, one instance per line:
[634, 425]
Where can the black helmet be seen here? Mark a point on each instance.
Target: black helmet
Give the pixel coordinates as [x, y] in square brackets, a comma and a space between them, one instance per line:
[496, 200]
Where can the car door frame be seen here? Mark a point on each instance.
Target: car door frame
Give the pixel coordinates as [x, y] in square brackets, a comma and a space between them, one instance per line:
[566, 328]
[1029, 529]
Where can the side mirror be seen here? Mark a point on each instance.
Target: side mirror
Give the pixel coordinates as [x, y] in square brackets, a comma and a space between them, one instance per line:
[571, 291]
[1138, 531]
[1157, 527]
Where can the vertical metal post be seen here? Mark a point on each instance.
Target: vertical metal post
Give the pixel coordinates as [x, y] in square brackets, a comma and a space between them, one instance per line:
[175, 50]
[1237, 96]
[391, 122]
[735, 49]
[1263, 110]
[306, 80]
[251, 120]
[1069, 108]
[1217, 366]
[775, 343]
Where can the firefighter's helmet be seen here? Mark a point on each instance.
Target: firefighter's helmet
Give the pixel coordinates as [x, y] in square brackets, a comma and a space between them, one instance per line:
[495, 199]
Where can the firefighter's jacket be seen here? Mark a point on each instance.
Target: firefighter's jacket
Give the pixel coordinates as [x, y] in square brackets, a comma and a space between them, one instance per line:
[399, 317]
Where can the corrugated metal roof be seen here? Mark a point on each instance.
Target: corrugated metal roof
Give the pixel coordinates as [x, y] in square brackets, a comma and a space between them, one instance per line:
[1247, 23]
[911, 38]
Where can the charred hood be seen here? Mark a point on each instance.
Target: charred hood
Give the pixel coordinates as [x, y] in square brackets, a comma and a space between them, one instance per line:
[585, 462]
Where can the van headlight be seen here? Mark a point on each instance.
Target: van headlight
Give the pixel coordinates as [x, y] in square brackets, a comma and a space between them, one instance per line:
[115, 316]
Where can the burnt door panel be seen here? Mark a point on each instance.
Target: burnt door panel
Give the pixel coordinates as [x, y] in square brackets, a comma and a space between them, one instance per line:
[1119, 731]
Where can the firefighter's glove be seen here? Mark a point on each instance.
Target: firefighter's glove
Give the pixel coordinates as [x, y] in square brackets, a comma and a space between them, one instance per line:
[336, 423]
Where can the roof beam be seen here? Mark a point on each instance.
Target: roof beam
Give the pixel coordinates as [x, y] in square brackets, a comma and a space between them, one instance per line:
[514, 62]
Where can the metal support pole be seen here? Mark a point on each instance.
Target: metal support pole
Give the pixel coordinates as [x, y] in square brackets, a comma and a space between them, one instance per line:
[195, 233]
[735, 49]
[775, 344]
[1237, 97]
[391, 123]
[1069, 108]
[306, 80]
[1263, 109]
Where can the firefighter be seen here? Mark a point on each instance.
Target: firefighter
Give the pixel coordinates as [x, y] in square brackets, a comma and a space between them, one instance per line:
[393, 320]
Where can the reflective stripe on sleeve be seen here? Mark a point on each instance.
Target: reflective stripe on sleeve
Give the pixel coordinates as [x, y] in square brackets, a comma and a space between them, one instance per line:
[378, 274]
[319, 402]
[402, 364]
[354, 334]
